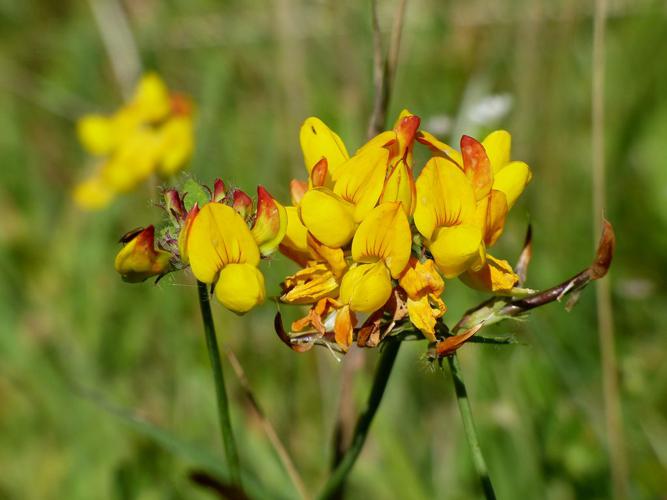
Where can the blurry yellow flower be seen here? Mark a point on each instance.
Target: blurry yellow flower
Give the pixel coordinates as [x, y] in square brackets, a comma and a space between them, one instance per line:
[153, 133]
[138, 260]
[222, 250]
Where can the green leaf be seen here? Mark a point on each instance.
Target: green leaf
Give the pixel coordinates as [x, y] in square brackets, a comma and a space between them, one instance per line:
[198, 456]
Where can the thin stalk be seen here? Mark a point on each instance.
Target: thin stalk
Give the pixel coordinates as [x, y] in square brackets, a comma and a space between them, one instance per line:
[469, 426]
[337, 479]
[605, 312]
[221, 394]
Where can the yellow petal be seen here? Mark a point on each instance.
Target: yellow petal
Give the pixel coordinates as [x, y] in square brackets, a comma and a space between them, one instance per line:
[184, 234]
[456, 249]
[240, 287]
[334, 258]
[309, 285]
[384, 235]
[295, 242]
[400, 186]
[361, 180]
[138, 260]
[176, 145]
[444, 197]
[96, 134]
[151, 98]
[424, 316]
[421, 279]
[92, 193]
[218, 237]
[495, 276]
[512, 180]
[270, 222]
[328, 217]
[366, 287]
[319, 141]
[439, 147]
[384, 139]
[498, 145]
[495, 217]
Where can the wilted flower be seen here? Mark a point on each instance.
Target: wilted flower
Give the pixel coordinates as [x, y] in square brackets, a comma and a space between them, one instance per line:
[153, 133]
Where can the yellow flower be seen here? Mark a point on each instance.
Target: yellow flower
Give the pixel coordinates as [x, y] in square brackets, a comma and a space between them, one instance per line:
[153, 133]
[445, 216]
[222, 251]
[138, 260]
[347, 189]
[471, 217]
[423, 286]
[495, 276]
[381, 249]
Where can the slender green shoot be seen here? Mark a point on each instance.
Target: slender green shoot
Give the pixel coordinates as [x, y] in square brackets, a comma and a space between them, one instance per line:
[224, 419]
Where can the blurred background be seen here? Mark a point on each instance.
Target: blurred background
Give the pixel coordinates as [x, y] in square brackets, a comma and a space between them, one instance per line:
[105, 389]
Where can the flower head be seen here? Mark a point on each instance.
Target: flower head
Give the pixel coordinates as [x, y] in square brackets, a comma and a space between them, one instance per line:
[152, 133]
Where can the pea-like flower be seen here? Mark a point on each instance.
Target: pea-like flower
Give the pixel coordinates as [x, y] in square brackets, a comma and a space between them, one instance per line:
[153, 133]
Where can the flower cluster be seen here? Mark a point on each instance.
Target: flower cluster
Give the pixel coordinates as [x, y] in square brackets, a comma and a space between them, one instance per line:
[153, 133]
[374, 243]
[220, 233]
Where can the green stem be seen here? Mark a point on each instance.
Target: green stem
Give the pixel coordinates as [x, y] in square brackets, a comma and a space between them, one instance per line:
[469, 426]
[337, 479]
[221, 394]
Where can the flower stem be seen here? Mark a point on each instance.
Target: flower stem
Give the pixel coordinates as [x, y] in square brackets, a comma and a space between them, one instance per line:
[337, 479]
[469, 426]
[221, 394]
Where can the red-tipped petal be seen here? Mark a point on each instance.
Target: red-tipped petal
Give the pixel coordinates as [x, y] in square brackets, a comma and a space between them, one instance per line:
[477, 166]
[219, 191]
[242, 203]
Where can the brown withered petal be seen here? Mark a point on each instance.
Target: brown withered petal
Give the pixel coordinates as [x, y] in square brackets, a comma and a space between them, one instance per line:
[597, 270]
[286, 339]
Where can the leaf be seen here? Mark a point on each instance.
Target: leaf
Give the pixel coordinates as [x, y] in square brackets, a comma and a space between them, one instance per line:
[202, 458]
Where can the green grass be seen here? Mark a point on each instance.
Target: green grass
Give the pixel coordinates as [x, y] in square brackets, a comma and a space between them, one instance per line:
[256, 70]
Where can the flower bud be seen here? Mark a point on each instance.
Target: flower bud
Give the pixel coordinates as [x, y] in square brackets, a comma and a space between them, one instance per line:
[270, 222]
[173, 204]
[185, 233]
[297, 190]
[138, 260]
[219, 191]
[242, 203]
